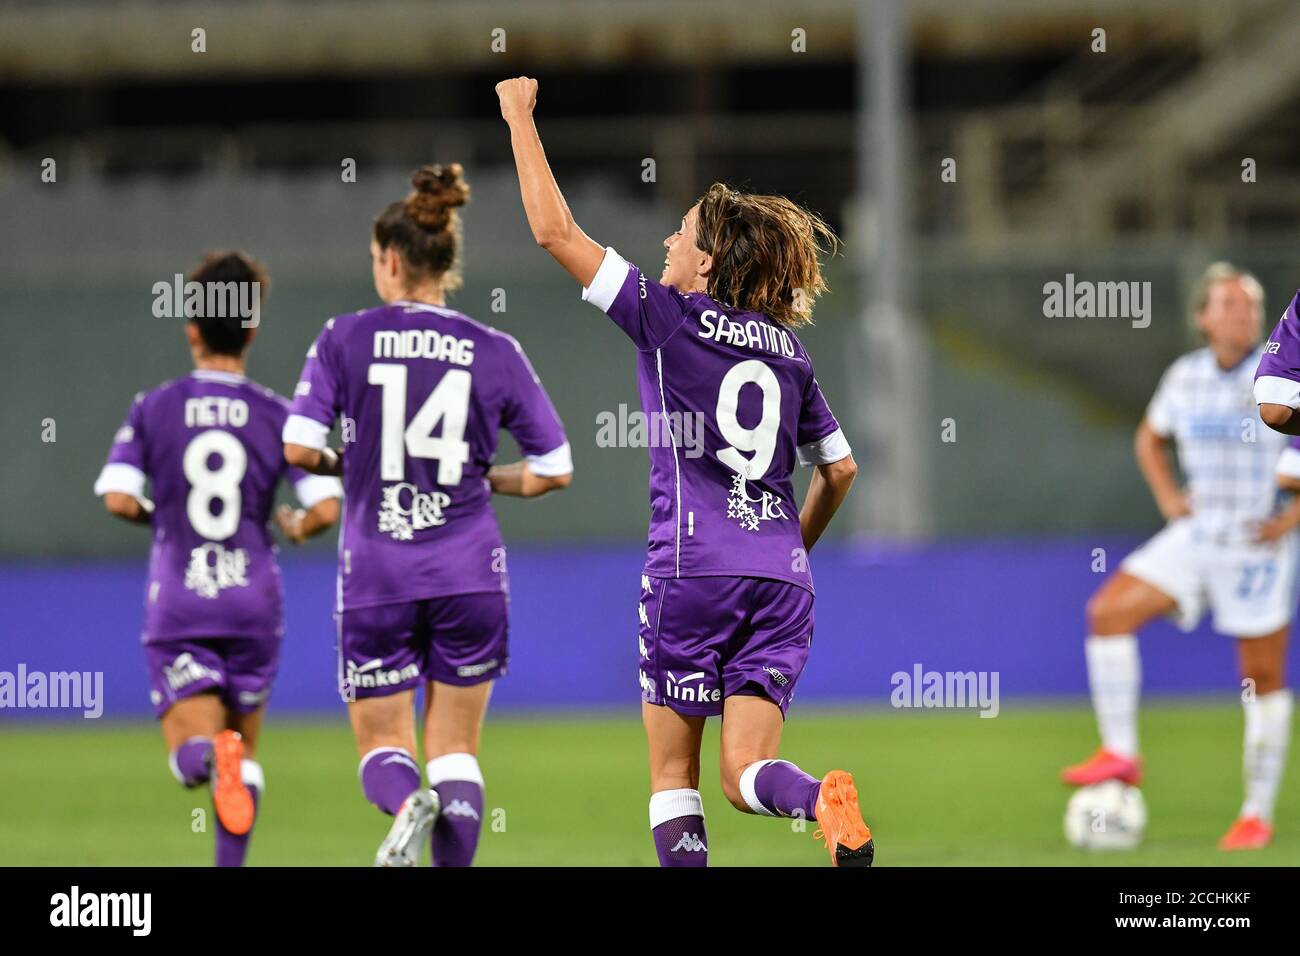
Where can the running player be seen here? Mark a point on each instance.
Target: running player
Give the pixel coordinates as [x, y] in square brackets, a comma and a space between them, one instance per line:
[726, 605]
[423, 391]
[209, 446]
[1226, 546]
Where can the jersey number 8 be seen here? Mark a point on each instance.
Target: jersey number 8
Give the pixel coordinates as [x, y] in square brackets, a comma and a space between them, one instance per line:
[221, 483]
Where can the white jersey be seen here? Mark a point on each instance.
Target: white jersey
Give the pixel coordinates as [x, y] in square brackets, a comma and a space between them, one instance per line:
[1226, 453]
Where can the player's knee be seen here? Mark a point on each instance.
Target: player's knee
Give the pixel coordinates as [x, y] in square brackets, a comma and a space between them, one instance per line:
[1105, 615]
[731, 790]
[675, 773]
[1264, 679]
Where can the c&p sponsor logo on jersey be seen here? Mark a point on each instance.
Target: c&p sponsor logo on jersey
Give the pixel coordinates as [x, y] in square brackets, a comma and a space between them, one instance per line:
[212, 569]
[405, 510]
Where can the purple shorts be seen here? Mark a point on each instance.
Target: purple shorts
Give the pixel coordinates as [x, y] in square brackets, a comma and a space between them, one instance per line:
[706, 639]
[240, 669]
[461, 640]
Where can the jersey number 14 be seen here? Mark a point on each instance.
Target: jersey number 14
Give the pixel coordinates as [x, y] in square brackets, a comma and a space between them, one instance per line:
[448, 403]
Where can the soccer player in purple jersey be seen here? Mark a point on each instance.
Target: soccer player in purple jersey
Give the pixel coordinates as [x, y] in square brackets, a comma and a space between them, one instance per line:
[208, 445]
[1277, 380]
[422, 391]
[726, 609]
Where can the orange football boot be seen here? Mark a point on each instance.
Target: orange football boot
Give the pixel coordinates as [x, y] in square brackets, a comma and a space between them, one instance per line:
[230, 796]
[1102, 766]
[1248, 833]
[841, 825]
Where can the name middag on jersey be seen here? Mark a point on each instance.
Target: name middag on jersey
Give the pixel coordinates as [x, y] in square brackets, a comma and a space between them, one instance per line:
[423, 344]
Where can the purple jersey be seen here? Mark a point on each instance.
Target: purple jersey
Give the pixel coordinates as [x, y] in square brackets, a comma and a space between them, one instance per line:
[721, 499]
[209, 446]
[1277, 380]
[423, 392]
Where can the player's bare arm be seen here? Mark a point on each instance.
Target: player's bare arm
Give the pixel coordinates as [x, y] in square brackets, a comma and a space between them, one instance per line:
[548, 214]
[1152, 452]
[519, 481]
[300, 524]
[827, 491]
[1280, 418]
[127, 507]
[316, 461]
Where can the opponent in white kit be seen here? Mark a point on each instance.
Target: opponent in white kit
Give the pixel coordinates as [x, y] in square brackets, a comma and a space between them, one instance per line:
[1228, 548]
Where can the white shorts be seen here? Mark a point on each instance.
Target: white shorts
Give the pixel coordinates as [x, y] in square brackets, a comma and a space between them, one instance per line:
[1249, 587]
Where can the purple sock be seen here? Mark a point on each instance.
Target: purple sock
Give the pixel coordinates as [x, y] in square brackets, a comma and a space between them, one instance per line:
[191, 762]
[231, 849]
[388, 776]
[677, 822]
[455, 835]
[777, 788]
[459, 784]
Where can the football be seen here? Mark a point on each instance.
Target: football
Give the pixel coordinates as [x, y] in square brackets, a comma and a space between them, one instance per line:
[1106, 816]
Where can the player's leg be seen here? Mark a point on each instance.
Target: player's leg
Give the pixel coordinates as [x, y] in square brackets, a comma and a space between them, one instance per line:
[189, 726]
[760, 674]
[238, 785]
[468, 648]
[453, 721]
[686, 625]
[676, 810]
[756, 782]
[250, 666]
[390, 778]
[380, 651]
[1253, 595]
[384, 728]
[1266, 701]
[186, 680]
[1122, 605]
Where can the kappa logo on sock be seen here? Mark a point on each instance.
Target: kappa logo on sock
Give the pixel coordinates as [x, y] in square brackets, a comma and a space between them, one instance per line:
[690, 843]
[460, 808]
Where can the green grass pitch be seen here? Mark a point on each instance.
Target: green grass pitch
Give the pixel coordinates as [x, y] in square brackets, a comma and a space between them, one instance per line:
[938, 788]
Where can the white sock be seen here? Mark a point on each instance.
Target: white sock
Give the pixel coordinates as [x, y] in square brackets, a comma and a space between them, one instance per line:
[1268, 734]
[1115, 677]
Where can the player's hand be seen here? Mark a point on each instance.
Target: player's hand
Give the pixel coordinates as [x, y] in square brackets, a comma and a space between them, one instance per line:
[1174, 506]
[289, 521]
[518, 98]
[1279, 526]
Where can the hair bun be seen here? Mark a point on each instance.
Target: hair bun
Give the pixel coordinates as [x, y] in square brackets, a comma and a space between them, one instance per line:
[438, 191]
